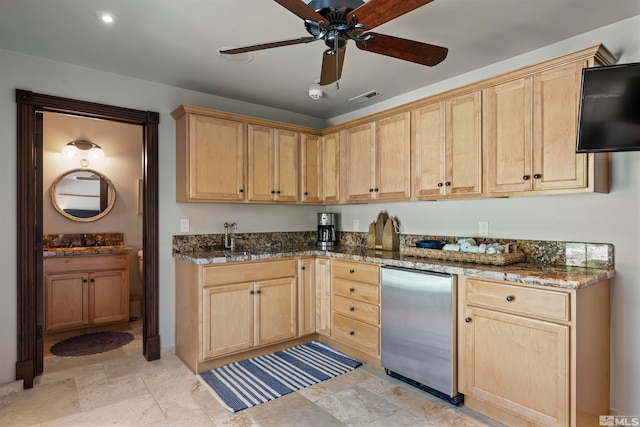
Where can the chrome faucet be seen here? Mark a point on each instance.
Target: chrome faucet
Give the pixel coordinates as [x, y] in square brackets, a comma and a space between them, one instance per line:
[227, 226]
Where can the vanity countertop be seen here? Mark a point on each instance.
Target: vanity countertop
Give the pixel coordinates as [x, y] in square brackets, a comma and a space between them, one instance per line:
[566, 277]
[86, 250]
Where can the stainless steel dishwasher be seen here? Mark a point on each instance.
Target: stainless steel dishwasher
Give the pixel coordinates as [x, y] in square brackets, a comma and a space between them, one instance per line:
[418, 330]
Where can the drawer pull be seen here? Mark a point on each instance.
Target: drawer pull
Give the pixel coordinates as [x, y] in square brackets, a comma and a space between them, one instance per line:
[467, 319]
[352, 309]
[351, 333]
[510, 298]
[352, 290]
[352, 271]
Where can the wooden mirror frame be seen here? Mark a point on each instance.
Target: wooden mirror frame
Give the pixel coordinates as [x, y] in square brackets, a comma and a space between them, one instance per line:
[108, 199]
[30, 107]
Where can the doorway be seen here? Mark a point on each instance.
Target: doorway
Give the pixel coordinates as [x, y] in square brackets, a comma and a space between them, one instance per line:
[30, 107]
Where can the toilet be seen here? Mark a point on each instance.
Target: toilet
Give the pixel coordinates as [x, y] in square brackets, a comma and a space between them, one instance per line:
[135, 297]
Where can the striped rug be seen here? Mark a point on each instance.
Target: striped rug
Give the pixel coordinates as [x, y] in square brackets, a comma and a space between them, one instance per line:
[251, 382]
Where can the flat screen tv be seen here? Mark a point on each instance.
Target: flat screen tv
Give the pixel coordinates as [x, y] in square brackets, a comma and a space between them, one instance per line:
[609, 117]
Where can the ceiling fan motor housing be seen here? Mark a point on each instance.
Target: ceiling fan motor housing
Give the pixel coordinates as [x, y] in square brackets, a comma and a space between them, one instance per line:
[335, 11]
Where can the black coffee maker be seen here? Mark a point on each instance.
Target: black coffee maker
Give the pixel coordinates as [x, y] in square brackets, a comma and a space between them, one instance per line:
[326, 229]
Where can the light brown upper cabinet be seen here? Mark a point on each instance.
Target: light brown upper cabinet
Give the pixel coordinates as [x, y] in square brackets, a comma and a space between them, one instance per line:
[530, 129]
[310, 169]
[331, 168]
[376, 160]
[447, 148]
[273, 164]
[210, 155]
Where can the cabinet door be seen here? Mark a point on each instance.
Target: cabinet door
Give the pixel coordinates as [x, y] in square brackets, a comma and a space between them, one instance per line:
[306, 296]
[359, 167]
[508, 136]
[215, 159]
[556, 104]
[286, 166]
[428, 151]
[227, 319]
[109, 296]
[261, 145]
[518, 364]
[331, 168]
[393, 158]
[323, 296]
[276, 310]
[310, 168]
[463, 145]
[66, 303]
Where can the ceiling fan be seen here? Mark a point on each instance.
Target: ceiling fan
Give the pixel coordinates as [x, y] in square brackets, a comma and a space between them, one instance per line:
[338, 21]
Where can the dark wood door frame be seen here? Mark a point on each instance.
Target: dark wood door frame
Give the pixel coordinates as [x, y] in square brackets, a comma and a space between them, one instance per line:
[29, 221]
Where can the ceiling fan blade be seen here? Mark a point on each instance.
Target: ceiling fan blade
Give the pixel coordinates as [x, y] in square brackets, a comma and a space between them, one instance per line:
[302, 10]
[268, 45]
[331, 66]
[408, 50]
[377, 12]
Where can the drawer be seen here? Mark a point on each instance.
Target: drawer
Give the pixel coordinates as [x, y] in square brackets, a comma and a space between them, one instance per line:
[364, 312]
[518, 299]
[357, 291]
[86, 263]
[356, 334]
[358, 271]
[248, 272]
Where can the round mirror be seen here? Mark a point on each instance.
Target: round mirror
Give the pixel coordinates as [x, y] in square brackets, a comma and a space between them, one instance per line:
[83, 195]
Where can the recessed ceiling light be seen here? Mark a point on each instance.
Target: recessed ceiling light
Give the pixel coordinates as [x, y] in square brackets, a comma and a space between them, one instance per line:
[236, 58]
[107, 18]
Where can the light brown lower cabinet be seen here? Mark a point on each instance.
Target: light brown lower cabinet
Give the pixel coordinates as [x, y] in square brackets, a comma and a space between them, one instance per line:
[85, 291]
[534, 356]
[355, 307]
[226, 309]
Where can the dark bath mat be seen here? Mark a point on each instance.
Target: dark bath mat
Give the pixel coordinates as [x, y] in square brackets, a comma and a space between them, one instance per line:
[87, 344]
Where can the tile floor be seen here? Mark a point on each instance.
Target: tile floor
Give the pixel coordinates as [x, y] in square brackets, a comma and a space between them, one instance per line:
[121, 388]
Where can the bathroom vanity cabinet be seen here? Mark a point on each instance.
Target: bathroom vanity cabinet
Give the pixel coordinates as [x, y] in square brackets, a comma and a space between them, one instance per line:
[84, 291]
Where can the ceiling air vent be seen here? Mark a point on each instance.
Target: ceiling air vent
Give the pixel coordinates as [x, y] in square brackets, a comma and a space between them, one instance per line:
[366, 96]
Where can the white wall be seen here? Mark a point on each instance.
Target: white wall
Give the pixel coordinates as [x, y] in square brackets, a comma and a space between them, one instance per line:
[611, 218]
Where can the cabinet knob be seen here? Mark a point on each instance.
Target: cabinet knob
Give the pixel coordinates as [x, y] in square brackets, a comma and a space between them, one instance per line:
[273, 191]
[467, 319]
[258, 291]
[537, 176]
[526, 177]
[352, 309]
[302, 268]
[352, 290]
[241, 190]
[375, 189]
[510, 298]
[352, 333]
[84, 280]
[440, 184]
[92, 280]
[371, 190]
[352, 271]
[278, 192]
[306, 193]
[252, 292]
[448, 184]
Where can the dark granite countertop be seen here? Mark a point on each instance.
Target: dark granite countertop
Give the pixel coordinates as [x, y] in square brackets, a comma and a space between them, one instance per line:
[565, 277]
[86, 250]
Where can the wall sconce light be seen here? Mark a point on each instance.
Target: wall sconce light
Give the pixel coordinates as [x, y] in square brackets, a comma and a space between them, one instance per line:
[84, 149]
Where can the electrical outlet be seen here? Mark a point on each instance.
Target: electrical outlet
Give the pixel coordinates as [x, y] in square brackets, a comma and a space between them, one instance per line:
[184, 225]
[483, 229]
[356, 225]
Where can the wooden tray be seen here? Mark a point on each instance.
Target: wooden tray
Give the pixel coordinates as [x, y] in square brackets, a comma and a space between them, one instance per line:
[494, 259]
